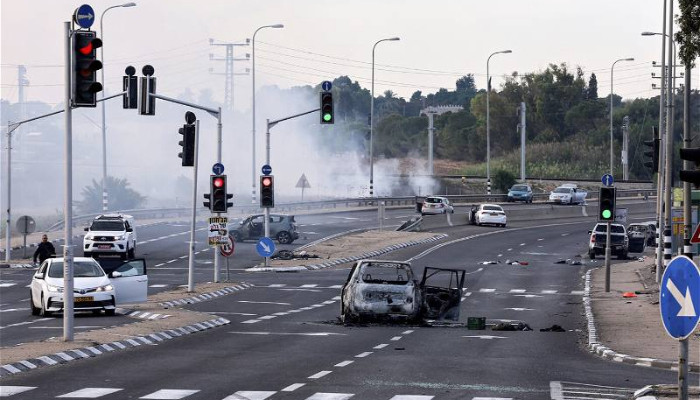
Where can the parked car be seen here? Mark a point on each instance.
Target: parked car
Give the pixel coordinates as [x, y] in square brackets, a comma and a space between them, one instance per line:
[639, 236]
[110, 234]
[568, 193]
[387, 289]
[93, 289]
[651, 228]
[282, 227]
[619, 242]
[487, 214]
[520, 192]
[436, 205]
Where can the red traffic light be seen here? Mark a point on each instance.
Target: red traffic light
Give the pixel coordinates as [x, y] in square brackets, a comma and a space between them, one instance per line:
[266, 181]
[218, 182]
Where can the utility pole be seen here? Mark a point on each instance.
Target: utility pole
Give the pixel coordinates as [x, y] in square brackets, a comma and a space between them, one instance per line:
[669, 143]
[229, 74]
[625, 147]
[523, 136]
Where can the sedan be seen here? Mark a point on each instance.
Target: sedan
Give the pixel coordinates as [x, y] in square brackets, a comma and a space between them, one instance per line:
[487, 214]
[93, 290]
[436, 205]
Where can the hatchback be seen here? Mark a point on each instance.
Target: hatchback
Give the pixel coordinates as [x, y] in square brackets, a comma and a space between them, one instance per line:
[282, 227]
[436, 205]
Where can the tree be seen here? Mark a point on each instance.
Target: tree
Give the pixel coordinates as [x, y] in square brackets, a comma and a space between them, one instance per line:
[592, 92]
[688, 36]
[121, 197]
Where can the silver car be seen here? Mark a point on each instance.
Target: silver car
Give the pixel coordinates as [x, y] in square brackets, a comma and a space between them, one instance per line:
[436, 205]
[282, 227]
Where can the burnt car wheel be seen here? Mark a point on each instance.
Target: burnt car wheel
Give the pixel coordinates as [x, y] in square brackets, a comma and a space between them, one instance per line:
[284, 237]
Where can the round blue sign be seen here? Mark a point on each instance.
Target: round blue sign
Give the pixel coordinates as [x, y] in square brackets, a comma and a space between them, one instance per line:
[265, 247]
[217, 168]
[679, 297]
[266, 169]
[607, 180]
[84, 16]
[326, 85]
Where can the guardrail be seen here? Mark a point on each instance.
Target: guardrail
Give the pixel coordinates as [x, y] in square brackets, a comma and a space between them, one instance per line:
[330, 205]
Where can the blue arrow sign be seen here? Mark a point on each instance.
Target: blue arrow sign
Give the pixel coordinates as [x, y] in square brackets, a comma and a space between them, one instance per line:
[84, 16]
[326, 85]
[265, 247]
[679, 297]
[217, 168]
[607, 180]
[266, 169]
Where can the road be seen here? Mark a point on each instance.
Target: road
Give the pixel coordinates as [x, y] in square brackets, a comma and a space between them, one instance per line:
[285, 342]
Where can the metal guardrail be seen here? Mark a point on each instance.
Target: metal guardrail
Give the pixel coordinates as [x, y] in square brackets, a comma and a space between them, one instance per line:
[329, 205]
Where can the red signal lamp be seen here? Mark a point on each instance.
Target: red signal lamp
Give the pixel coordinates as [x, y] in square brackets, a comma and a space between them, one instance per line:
[218, 182]
[266, 181]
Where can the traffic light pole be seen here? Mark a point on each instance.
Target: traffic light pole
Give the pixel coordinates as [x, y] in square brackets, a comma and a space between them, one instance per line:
[68, 198]
[607, 258]
[215, 113]
[193, 224]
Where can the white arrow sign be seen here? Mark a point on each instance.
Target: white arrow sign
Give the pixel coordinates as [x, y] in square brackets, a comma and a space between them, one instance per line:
[89, 16]
[686, 303]
[265, 247]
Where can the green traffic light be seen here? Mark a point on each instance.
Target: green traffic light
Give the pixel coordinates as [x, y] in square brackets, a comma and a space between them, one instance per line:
[606, 214]
[327, 117]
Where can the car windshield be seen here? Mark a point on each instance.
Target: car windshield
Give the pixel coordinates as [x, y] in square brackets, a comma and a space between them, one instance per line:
[519, 188]
[433, 200]
[562, 190]
[116, 226]
[386, 273]
[81, 269]
[492, 208]
[636, 228]
[614, 229]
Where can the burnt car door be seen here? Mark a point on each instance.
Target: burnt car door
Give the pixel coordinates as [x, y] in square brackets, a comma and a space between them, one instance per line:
[256, 227]
[442, 293]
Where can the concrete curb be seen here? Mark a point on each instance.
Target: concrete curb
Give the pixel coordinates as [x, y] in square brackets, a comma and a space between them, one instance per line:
[606, 353]
[98, 349]
[348, 259]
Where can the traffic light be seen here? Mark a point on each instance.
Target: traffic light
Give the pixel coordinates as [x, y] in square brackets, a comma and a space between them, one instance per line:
[85, 65]
[147, 103]
[207, 202]
[267, 191]
[131, 88]
[326, 108]
[219, 197]
[653, 152]
[606, 204]
[188, 137]
[691, 154]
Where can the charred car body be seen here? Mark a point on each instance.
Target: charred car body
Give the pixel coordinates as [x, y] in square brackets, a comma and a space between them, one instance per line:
[377, 289]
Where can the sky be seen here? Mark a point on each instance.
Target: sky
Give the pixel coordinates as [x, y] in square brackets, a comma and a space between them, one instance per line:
[440, 41]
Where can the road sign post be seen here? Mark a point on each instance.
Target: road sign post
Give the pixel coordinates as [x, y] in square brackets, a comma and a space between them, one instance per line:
[679, 300]
[227, 251]
[25, 226]
[265, 248]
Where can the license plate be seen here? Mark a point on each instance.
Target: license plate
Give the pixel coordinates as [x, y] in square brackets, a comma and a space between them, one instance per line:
[104, 246]
[494, 215]
[84, 299]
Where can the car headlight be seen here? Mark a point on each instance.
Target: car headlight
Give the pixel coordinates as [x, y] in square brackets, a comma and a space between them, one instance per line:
[120, 237]
[88, 237]
[105, 288]
[51, 288]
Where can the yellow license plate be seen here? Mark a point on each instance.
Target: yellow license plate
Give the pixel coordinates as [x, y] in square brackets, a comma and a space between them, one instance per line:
[84, 299]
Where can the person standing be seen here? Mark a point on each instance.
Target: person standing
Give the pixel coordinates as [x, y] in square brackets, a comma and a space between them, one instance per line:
[44, 250]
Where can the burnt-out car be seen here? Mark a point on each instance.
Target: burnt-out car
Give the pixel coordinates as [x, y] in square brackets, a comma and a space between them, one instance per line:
[379, 289]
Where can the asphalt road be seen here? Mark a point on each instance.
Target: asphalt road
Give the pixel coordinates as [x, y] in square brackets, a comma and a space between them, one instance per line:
[285, 342]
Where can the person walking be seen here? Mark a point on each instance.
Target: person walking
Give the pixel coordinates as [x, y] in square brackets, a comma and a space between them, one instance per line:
[44, 250]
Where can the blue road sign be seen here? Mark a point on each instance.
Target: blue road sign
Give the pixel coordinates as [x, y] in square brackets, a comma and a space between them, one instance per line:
[84, 16]
[265, 247]
[607, 180]
[679, 297]
[326, 85]
[266, 169]
[217, 168]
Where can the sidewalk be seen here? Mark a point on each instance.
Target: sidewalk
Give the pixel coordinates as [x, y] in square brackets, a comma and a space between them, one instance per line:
[630, 329]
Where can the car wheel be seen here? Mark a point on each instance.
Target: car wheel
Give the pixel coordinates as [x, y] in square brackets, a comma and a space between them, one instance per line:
[42, 310]
[35, 310]
[284, 237]
[131, 253]
[110, 312]
[591, 255]
[125, 254]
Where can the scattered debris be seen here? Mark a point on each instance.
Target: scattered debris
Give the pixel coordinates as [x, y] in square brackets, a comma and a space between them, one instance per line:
[489, 262]
[506, 326]
[570, 261]
[516, 262]
[641, 259]
[628, 295]
[399, 348]
[553, 328]
[292, 255]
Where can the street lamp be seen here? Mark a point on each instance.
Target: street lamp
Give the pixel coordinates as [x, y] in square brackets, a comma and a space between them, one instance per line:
[104, 124]
[611, 109]
[488, 122]
[255, 33]
[371, 122]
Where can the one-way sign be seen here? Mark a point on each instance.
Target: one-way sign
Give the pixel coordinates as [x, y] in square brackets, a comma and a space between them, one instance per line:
[679, 297]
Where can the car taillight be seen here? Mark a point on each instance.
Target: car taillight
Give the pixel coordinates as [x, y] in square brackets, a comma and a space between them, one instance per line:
[592, 238]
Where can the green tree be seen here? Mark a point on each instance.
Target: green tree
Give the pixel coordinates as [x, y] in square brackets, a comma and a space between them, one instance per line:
[121, 197]
[592, 91]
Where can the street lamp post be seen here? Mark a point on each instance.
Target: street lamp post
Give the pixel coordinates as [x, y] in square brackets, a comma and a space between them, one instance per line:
[104, 124]
[371, 122]
[488, 122]
[611, 109]
[253, 74]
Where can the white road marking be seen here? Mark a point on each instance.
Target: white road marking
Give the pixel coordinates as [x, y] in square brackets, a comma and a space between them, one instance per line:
[293, 387]
[540, 239]
[529, 296]
[344, 363]
[518, 290]
[289, 333]
[578, 292]
[330, 396]
[249, 395]
[89, 393]
[7, 284]
[169, 394]
[262, 302]
[319, 374]
[380, 346]
[309, 285]
[522, 244]
[549, 292]
[486, 337]
[6, 391]
[407, 332]
[510, 249]
[520, 309]
[411, 397]
[395, 338]
[14, 309]
[158, 286]
[362, 355]
[26, 323]
[487, 290]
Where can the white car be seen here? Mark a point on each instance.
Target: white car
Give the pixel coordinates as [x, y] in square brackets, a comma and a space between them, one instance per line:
[436, 205]
[487, 214]
[568, 194]
[110, 234]
[93, 289]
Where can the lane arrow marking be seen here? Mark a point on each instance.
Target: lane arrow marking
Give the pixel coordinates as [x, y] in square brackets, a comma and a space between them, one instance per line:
[686, 303]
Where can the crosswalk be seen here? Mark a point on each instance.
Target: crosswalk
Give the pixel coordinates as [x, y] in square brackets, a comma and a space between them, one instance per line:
[561, 390]
[177, 394]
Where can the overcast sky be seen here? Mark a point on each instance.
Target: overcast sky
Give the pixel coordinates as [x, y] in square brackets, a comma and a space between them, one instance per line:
[322, 39]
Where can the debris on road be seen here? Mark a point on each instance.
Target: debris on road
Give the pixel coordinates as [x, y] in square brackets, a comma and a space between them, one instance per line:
[292, 255]
[509, 326]
[489, 262]
[628, 295]
[553, 328]
[516, 262]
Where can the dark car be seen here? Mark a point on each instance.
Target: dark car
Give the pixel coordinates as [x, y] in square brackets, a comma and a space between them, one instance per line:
[282, 227]
[520, 192]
